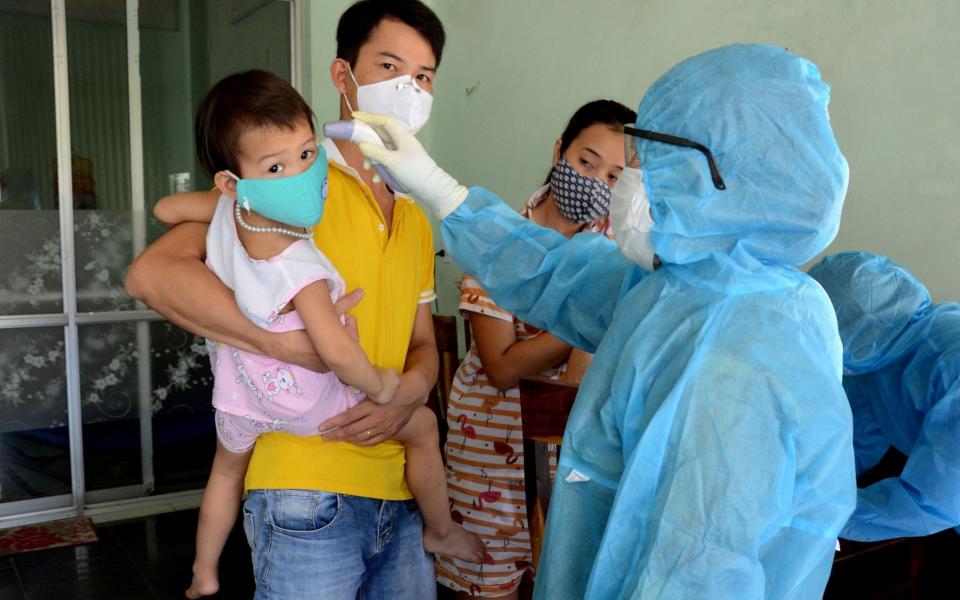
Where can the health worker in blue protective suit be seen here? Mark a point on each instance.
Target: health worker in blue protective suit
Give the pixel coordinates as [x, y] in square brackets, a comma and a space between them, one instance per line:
[709, 452]
[901, 359]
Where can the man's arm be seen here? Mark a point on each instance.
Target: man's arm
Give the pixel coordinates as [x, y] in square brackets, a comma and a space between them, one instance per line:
[170, 277]
[368, 424]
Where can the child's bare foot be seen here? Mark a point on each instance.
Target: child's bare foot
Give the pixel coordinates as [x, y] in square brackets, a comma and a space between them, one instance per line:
[457, 543]
[205, 583]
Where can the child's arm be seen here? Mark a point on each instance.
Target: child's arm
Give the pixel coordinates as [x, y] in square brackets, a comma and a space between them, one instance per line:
[338, 350]
[186, 206]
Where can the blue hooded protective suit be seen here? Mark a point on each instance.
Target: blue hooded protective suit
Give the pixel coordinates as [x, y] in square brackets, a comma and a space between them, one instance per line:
[901, 359]
[709, 452]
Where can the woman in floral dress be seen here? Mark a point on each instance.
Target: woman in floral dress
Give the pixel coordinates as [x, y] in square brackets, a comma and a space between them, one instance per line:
[484, 450]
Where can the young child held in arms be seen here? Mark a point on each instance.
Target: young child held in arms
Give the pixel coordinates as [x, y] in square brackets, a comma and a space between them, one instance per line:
[256, 138]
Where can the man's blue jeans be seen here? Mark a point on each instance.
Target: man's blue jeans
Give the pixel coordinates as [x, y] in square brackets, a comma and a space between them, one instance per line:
[309, 544]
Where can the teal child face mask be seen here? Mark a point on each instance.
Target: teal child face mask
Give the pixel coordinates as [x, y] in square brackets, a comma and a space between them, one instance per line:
[296, 200]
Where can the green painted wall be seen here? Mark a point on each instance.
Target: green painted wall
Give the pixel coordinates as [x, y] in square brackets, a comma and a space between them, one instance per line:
[514, 71]
[319, 50]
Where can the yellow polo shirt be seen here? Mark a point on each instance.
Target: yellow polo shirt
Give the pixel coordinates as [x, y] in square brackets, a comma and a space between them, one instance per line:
[396, 274]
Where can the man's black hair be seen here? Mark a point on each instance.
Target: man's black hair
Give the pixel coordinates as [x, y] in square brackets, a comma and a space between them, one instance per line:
[358, 22]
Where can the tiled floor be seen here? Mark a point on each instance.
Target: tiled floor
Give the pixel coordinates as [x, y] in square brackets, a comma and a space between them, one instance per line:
[145, 558]
[150, 558]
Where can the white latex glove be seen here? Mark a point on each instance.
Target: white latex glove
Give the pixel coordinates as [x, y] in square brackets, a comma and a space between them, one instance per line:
[412, 167]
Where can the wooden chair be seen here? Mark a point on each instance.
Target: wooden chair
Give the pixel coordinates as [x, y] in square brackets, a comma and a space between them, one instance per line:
[544, 407]
[888, 569]
[445, 330]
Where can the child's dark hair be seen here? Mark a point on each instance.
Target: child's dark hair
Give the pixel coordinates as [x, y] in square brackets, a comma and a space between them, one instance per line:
[358, 22]
[605, 112]
[239, 102]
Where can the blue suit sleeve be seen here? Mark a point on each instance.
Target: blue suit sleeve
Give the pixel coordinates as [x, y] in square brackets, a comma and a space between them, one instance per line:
[570, 288]
[870, 443]
[925, 498]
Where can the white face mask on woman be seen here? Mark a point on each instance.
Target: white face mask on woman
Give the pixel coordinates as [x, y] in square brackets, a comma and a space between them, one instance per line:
[630, 218]
[400, 97]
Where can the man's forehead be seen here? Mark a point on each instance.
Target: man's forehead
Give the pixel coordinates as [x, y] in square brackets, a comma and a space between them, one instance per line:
[398, 41]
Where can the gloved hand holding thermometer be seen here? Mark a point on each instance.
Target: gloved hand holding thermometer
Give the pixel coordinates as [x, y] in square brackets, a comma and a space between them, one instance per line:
[408, 164]
[356, 132]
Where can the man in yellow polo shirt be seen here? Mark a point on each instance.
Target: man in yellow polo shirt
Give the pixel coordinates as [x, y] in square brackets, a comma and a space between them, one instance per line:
[332, 518]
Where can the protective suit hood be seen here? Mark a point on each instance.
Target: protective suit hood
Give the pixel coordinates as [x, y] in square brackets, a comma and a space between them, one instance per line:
[762, 111]
[902, 363]
[879, 304]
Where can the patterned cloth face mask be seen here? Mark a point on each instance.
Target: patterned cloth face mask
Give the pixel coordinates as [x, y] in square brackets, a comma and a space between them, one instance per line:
[581, 199]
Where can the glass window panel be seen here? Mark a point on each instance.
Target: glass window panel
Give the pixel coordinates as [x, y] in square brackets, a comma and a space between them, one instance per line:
[34, 445]
[104, 249]
[30, 280]
[175, 389]
[211, 40]
[99, 104]
[185, 48]
[100, 140]
[134, 377]
[184, 438]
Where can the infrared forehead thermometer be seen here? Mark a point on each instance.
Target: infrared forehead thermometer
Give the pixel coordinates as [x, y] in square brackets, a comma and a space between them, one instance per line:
[356, 132]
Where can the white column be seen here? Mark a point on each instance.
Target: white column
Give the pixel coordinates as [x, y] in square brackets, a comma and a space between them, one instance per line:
[138, 218]
[65, 185]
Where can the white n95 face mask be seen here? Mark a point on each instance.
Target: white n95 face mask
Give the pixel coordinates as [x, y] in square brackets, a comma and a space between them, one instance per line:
[400, 97]
[631, 219]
